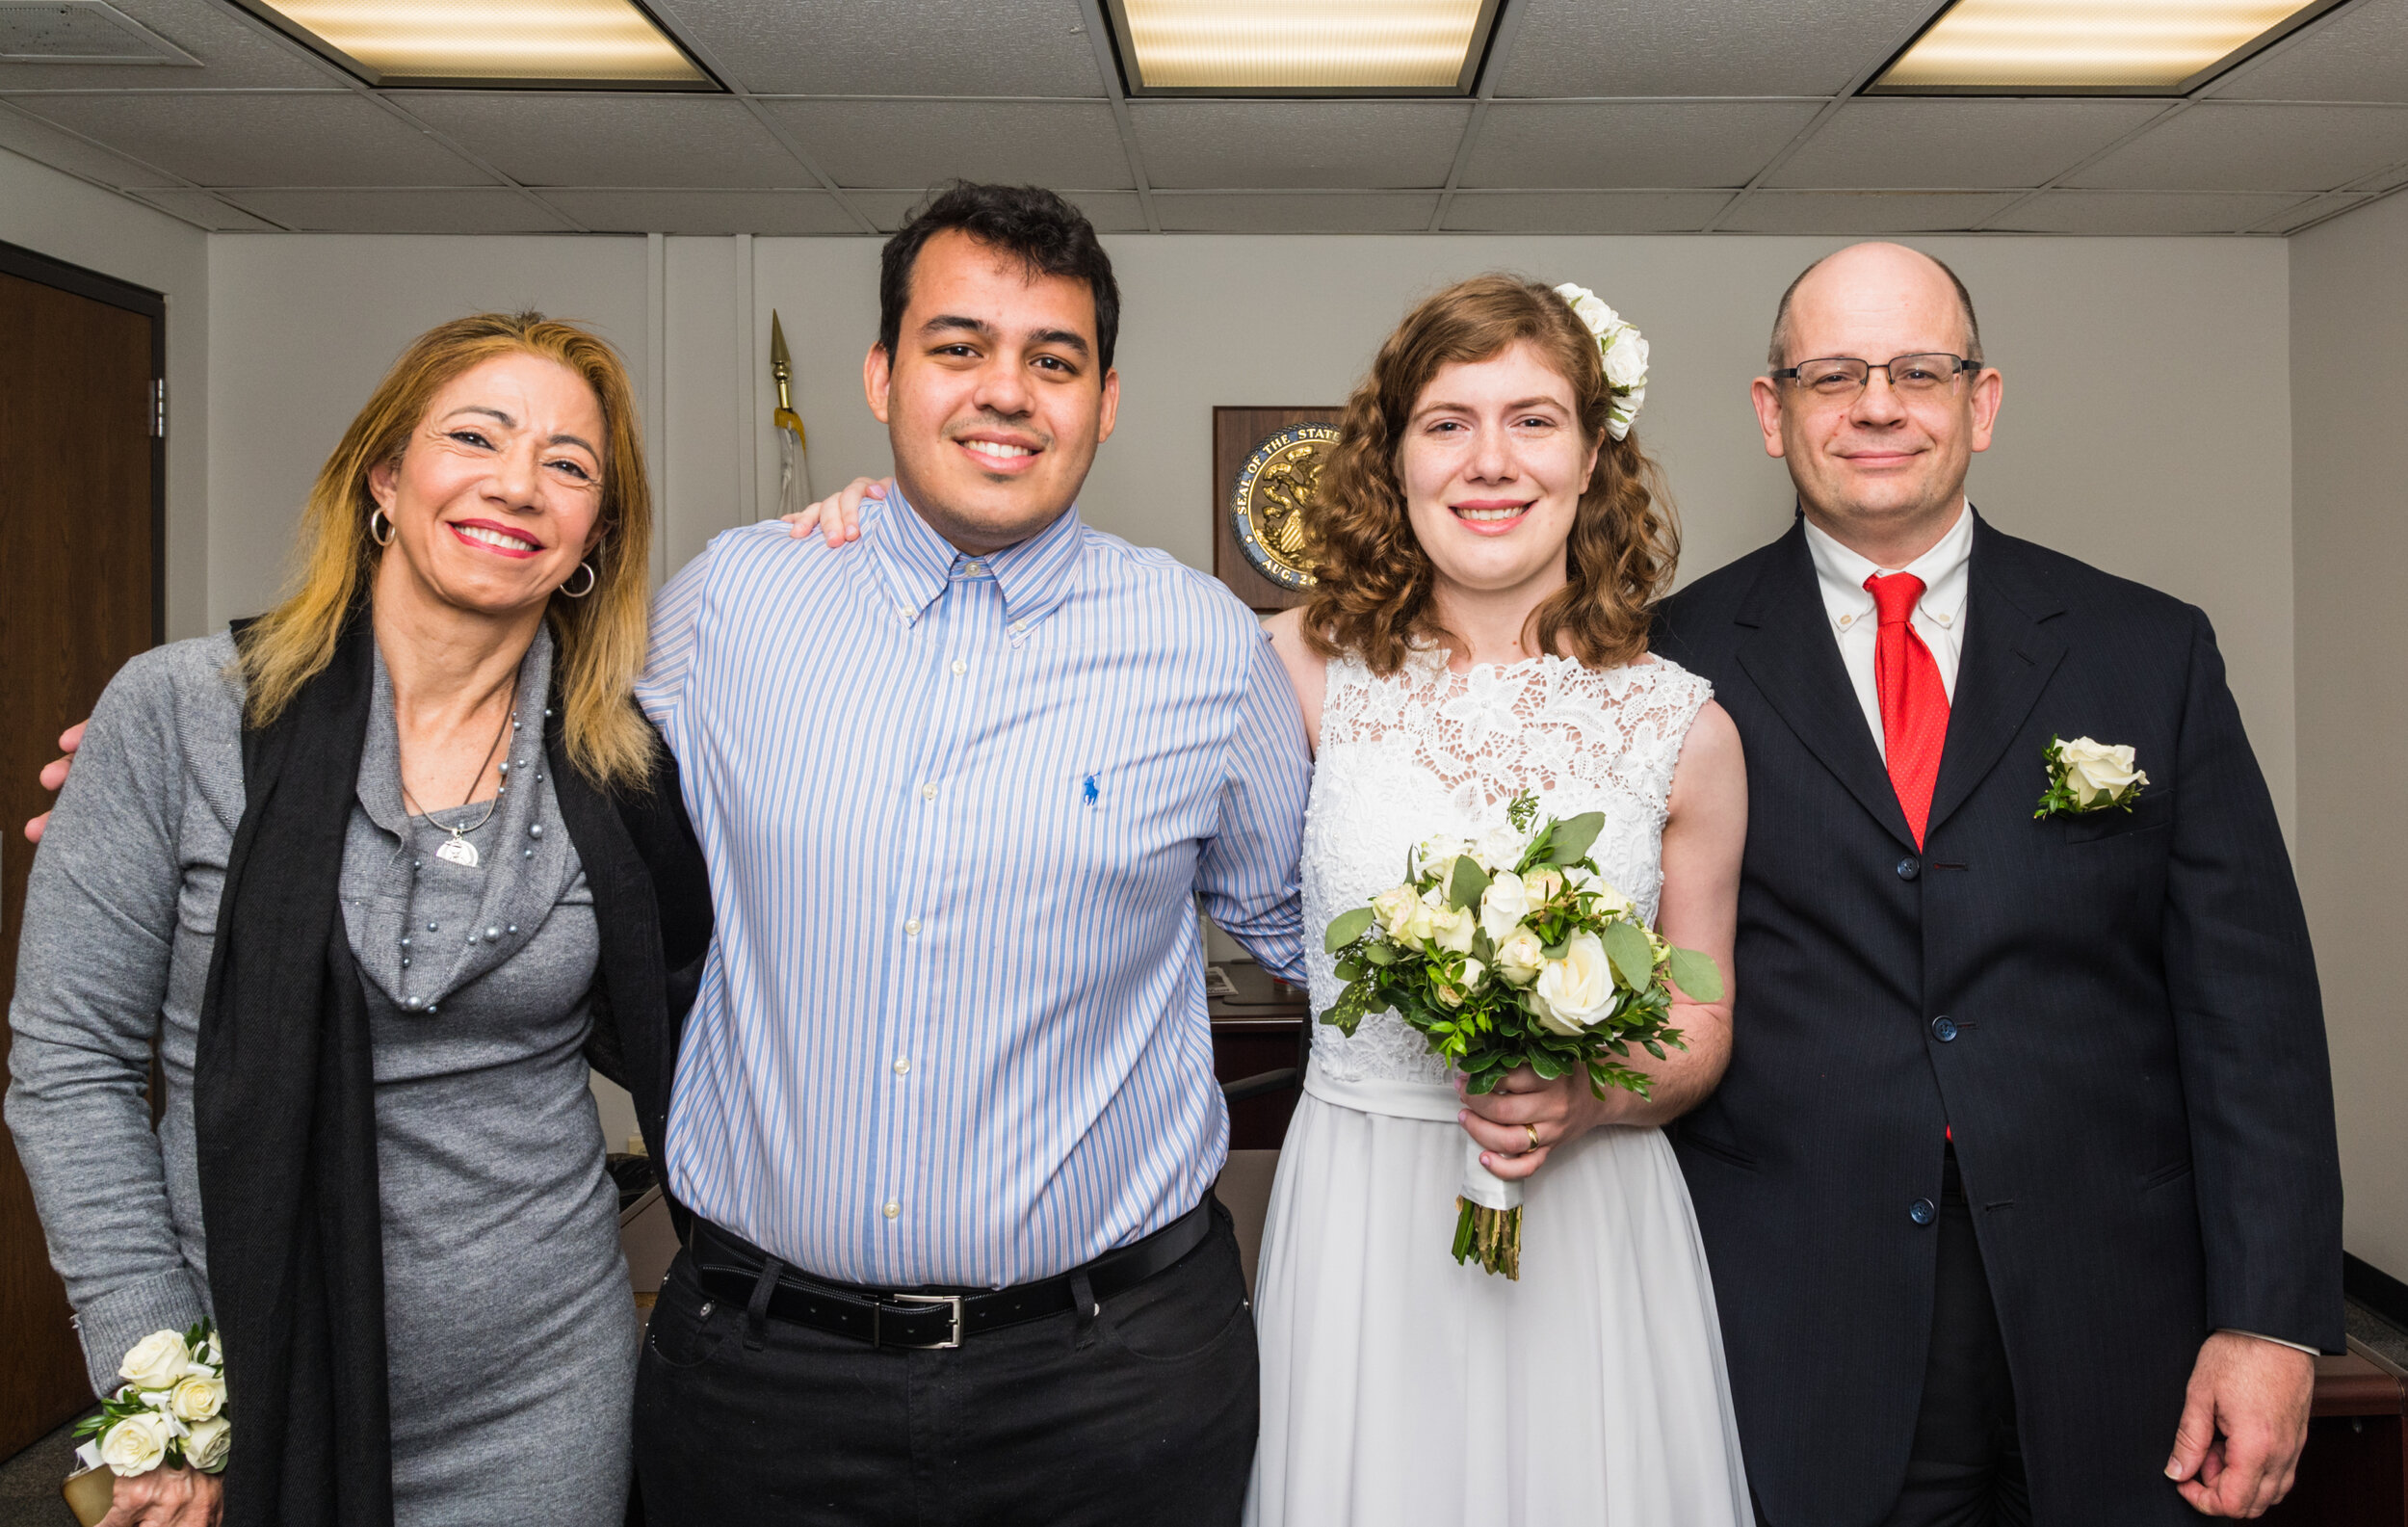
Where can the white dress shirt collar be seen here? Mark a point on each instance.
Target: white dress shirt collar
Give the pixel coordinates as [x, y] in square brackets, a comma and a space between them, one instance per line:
[1841, 573]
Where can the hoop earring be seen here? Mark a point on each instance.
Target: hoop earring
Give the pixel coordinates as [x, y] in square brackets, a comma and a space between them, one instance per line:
[591, 578]
[385, 539]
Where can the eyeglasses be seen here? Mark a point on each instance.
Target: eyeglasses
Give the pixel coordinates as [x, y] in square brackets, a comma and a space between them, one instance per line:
[1838, 377]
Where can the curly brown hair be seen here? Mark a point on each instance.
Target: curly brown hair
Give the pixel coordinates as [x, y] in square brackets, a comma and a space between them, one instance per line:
[1371, 597]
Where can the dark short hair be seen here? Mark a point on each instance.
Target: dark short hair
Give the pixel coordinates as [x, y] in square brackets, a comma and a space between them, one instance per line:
[1048, 236]
[1777, 353]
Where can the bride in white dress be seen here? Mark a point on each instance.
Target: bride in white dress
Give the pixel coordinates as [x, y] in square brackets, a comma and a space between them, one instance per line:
[1488, 551]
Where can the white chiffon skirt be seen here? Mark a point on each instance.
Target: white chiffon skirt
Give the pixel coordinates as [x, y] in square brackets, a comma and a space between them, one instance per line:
[1400, 1388]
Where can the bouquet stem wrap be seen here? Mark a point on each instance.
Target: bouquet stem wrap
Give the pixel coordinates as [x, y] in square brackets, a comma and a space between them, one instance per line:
[1488, 1217]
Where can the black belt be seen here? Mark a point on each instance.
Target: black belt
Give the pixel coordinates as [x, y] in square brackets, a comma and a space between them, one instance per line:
[730, 1267]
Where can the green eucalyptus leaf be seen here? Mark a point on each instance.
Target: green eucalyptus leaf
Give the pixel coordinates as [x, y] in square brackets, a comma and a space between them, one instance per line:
[1634, 958]
[1380, 954]
[1546, 1064]
[1697, 975]
[1470, 880]
[1569, 843]
[1346, 928]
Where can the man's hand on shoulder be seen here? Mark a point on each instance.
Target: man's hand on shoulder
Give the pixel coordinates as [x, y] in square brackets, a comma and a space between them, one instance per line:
[54, 775]
[2244, 1420]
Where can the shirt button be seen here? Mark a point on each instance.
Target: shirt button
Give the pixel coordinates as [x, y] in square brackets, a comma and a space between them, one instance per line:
[911, 926]
[1944, 1028]
[927, 792]
[1018, 626]
[892, 1208]
[1909, 868]
[1920, 1211]
[903, 1065]
[960, 668]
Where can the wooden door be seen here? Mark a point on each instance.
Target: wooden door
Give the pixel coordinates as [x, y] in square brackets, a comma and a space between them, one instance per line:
[81, 520]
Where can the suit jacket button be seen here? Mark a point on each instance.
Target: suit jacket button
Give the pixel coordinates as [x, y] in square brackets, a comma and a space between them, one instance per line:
[1909, 868]
[1944, 1028]
[1921, 1211]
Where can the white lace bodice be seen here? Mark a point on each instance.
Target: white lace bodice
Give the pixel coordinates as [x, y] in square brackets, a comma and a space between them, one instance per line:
[1428, 750]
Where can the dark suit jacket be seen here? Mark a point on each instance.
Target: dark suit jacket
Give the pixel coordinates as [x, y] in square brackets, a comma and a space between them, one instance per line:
[2136, 1080]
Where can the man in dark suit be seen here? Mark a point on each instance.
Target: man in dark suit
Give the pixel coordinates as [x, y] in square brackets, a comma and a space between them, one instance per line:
[2024, 1172]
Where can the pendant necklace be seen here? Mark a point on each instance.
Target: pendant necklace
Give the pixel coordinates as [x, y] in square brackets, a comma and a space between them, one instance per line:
[457, 849]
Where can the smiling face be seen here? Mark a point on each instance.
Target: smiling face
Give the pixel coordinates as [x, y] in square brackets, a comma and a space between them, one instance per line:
[497, 493]
[995, 399]
[1883, 472]
[1493, 465]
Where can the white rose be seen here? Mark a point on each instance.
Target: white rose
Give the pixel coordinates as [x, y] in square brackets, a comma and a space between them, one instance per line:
[137, 1444]
[1519, 955]
[206, 1444]
[1544, 885]
[1453, 993]
[2098, 772]
[1505, 903]
[1498, 848]
[1575, 992]
[1604, 901]
[1450, 928]
[1394, 908]
[197, 1397]
[1626, 361]
[156, 1362]
[1437, 855]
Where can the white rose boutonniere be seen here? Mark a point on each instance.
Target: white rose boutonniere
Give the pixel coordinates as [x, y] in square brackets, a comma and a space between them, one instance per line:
[2087, 775]
[170, 1411]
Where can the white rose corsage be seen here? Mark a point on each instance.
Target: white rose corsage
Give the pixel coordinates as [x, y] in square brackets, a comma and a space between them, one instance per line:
[2087, 776]
[169, 1412]
[1621, 347]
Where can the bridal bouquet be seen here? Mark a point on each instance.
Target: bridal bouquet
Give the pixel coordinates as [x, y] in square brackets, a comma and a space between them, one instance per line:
[1514, 952]
[171, 1410]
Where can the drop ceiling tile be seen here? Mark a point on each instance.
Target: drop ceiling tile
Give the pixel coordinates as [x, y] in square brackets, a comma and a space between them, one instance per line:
[1706, 47]
[1882, 142]
[235, 51]
[335, 139]
[1307, 212]
[42, 142]
[2388, 178]
[2312, 210]
[1583, 211]
[1863, 212]
[204, 209]
[571, 138]
[921, 142]
[1110, 211]
[771, 213]
[2221, 146]
[2359, 54]
[1652, 144]
[929, 47]
[1361, 144]
[2143, 212]
[473, 210]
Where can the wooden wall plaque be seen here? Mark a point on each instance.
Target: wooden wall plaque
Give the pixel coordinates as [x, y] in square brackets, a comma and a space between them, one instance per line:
[1235, 434]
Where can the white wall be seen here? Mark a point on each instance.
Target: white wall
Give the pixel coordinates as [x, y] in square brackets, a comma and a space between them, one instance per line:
[67, 220]
[2349, 332]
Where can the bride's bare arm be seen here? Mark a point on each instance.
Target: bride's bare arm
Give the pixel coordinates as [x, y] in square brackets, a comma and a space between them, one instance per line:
[1307, 670]
[1700, 910]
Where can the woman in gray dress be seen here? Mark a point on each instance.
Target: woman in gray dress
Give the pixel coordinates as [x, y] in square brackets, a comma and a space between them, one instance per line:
[368, 870]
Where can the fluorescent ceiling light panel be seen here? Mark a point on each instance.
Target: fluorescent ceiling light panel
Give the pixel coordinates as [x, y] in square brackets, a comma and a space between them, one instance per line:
[1302, 47]
[2015, 48]
[562, 43]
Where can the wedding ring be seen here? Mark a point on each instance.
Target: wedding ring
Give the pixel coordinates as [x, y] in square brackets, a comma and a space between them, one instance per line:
[1533, 1134]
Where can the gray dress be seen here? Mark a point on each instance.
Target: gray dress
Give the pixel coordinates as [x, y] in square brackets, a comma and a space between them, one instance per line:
[510, 1325]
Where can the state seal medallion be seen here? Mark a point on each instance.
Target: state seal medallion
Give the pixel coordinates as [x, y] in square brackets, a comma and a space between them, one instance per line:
[1275, 496]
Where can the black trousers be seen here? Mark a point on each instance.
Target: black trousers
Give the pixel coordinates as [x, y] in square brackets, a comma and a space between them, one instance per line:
[1144, 1413]
[1967, 1466]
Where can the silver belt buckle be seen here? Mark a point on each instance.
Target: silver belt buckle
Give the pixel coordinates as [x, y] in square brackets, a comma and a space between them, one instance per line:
[952, 1299]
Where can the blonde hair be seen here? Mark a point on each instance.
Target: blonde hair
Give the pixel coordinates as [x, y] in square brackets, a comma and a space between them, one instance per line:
[1372, 597]
[598, 641]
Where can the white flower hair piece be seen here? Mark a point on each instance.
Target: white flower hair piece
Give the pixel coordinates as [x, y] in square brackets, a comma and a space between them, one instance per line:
[1622, 348]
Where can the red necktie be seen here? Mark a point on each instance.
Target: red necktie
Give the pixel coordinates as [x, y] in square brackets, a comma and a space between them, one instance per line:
[1914, 703]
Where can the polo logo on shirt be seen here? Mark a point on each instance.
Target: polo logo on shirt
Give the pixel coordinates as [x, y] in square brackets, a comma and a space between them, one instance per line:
[1087, 790]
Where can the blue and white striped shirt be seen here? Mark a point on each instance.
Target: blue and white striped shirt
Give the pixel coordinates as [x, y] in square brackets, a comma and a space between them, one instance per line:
[951, 1029]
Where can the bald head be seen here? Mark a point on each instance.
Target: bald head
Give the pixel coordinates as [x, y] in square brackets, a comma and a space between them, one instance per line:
[1866, 275]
